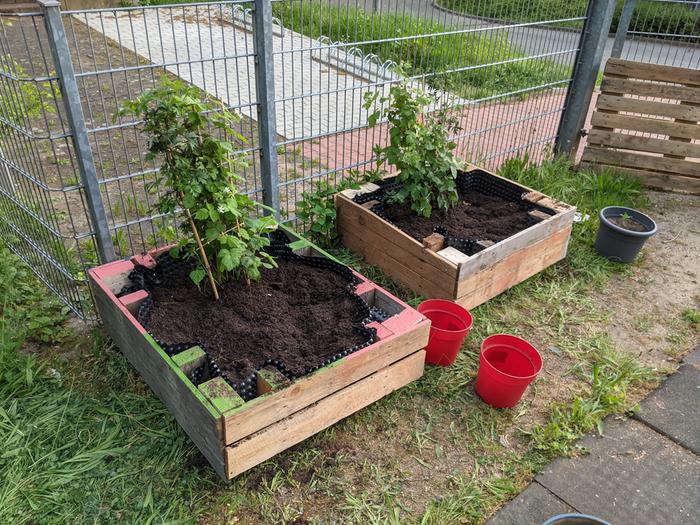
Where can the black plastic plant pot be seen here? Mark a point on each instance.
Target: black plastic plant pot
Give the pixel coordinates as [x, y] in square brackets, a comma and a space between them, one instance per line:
[620, 243]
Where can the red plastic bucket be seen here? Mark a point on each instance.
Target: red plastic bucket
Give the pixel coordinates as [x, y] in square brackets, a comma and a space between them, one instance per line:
[450, 324]
[507, 364]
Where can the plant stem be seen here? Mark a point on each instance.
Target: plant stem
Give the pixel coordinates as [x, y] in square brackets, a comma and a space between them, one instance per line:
[202, 253]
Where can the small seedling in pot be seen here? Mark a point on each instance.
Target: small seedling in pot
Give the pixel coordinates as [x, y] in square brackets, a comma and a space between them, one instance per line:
[226, 236]
[419, 148]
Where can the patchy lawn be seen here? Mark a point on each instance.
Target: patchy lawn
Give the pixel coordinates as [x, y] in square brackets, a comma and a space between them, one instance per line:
[86, 441]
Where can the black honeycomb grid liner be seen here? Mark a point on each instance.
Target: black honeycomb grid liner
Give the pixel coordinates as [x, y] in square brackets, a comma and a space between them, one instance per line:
[474, 180]
[142, 278]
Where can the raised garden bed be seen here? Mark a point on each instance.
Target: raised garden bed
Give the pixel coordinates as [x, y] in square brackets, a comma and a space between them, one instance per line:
[500, 234]
[242, 411]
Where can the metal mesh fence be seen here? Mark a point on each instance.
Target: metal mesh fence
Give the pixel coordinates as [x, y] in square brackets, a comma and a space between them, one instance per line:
[662, 32]
[504, 80]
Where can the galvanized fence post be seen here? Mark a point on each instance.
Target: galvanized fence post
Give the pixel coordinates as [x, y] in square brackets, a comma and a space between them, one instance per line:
[622, 26]
[586, 66]
[265, 88]
[58, 43]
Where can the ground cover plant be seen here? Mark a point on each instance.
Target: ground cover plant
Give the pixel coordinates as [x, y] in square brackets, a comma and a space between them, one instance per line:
[105, 450]
[671, 20]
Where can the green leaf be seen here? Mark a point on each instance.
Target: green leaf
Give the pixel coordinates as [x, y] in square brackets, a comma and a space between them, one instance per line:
[198, 275]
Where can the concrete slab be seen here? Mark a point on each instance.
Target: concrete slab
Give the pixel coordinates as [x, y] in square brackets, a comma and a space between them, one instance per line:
[532, 507]
[674, 409]
[632, 475]
[693, 358]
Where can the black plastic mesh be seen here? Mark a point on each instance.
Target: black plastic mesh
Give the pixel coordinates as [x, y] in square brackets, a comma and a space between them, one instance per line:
[142, 278]
[474, 180]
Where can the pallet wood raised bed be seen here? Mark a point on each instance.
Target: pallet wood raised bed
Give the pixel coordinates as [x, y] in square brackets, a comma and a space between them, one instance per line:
[446, 273]
[235, 435]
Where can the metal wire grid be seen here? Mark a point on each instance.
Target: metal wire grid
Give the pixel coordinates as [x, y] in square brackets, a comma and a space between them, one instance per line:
[327, 58]
[664, 32]
[41, 201]
[319, 80]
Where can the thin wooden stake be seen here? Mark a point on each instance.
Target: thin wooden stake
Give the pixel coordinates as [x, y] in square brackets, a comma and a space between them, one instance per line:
[205, 259]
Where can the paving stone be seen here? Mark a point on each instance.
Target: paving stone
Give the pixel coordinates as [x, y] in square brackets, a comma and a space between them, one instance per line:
[632, 475]
[693, 358]
[532, 507]
[674, 409]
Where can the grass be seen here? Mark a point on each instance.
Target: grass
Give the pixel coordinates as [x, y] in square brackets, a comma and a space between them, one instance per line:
[654, 17]
[86, 441]
[85, 444]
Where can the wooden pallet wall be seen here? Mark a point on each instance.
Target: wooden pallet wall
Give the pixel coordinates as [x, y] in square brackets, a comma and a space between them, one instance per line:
[647, 124]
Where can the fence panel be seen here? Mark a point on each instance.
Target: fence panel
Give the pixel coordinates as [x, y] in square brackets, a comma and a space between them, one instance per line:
[505, 79]
[504, 74]
[665, 32]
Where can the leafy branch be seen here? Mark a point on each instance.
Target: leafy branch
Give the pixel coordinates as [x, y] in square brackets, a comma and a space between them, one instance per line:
[227, 235]
[419, 148]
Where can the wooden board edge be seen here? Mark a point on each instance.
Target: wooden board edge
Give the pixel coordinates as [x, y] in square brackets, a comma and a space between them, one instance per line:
[272, 440]
[270, 408]
[201, 422]
[543, 254]
[505, 248]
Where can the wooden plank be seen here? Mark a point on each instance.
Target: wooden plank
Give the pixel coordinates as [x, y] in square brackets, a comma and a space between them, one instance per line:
[453, 254]
[538, 215]
[221, 394]
[268, 409]
[369, 187]
[646, 125]
[519, 266]
[434, 242]
[403, 272]
[270, 380]
[190, 359]
[646, 71]
[356, 219]
[488, 258]
[649, 89]
[647, 107]
[270, 441]
[635, 160]
[193, 412]
[662, 181]
[648, 144]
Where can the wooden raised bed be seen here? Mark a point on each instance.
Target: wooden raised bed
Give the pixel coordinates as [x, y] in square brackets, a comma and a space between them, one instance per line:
[235, 435]
[446, 273]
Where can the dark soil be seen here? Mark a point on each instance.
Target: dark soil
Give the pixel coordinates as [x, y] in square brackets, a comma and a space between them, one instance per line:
[477, 216]
[296, 313]
[628, 223]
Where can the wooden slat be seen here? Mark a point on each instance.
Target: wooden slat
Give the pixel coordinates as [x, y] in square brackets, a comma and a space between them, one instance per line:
[645, 71]
[650, 89]
[264, 444]
[268, 409]
[487, 258]
[194, 413]
[647, 107]
[356, 219]
[648, 144]
[662, 181]
[635, 160]
[519, 265]
[646, 125]
[418, 279]
[221, 394]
